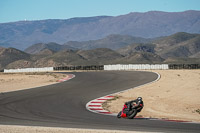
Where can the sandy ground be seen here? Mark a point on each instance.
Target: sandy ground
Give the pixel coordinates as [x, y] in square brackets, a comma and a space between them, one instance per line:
[19, 81]
[175, 96]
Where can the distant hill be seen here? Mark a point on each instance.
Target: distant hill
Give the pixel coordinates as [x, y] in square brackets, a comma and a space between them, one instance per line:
[113, 41]
[179, 45]
[100, 56]
[141, 47]
[45, 52]
[61, 58]
[141, 58]
[9, 55]
[36, 48]
[147, 25]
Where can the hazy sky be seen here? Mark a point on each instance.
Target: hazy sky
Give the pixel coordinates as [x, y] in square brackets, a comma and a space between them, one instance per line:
[15, 10]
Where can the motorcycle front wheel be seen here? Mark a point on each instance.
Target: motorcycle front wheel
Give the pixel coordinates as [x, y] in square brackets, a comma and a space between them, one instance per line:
[119, 114]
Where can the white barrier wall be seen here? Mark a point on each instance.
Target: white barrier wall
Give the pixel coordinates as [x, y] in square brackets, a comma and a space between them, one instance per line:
[137, 67]
[106, 67]
[45, 69]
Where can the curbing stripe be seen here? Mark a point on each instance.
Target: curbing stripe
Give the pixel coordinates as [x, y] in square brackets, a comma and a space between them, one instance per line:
[94, 105]
[97, 102]
[96, 109]
[107, 113]
[102, 99]
[69, 76]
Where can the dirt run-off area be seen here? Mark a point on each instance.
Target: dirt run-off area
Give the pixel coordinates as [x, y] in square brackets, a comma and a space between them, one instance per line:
[175, 96]
[20, 81]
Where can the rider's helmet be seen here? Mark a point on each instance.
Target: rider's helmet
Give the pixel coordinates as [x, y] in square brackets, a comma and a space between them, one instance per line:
[139, 98]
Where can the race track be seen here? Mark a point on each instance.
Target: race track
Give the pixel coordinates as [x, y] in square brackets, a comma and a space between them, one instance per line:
[63, 104]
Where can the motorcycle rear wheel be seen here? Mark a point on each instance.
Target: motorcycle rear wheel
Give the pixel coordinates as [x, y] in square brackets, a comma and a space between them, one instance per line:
[132, 114]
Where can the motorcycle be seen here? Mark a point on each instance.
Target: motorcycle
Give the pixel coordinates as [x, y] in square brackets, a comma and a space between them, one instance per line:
[131, 112]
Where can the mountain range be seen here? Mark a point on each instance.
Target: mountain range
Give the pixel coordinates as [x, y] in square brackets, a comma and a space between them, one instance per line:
[113, 42]
[181, 45]
[72, 31]
[177, 48]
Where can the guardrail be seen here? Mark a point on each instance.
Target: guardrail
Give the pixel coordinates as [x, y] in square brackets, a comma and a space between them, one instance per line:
[184, 66]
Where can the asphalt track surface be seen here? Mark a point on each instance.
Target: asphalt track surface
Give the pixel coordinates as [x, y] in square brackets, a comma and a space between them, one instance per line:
[63, 104]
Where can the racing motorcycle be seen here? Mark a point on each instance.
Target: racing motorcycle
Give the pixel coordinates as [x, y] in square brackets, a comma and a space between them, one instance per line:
[131, 112]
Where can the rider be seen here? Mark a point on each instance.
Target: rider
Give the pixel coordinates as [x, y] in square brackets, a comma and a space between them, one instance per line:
[138, 102]
[129, 106]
